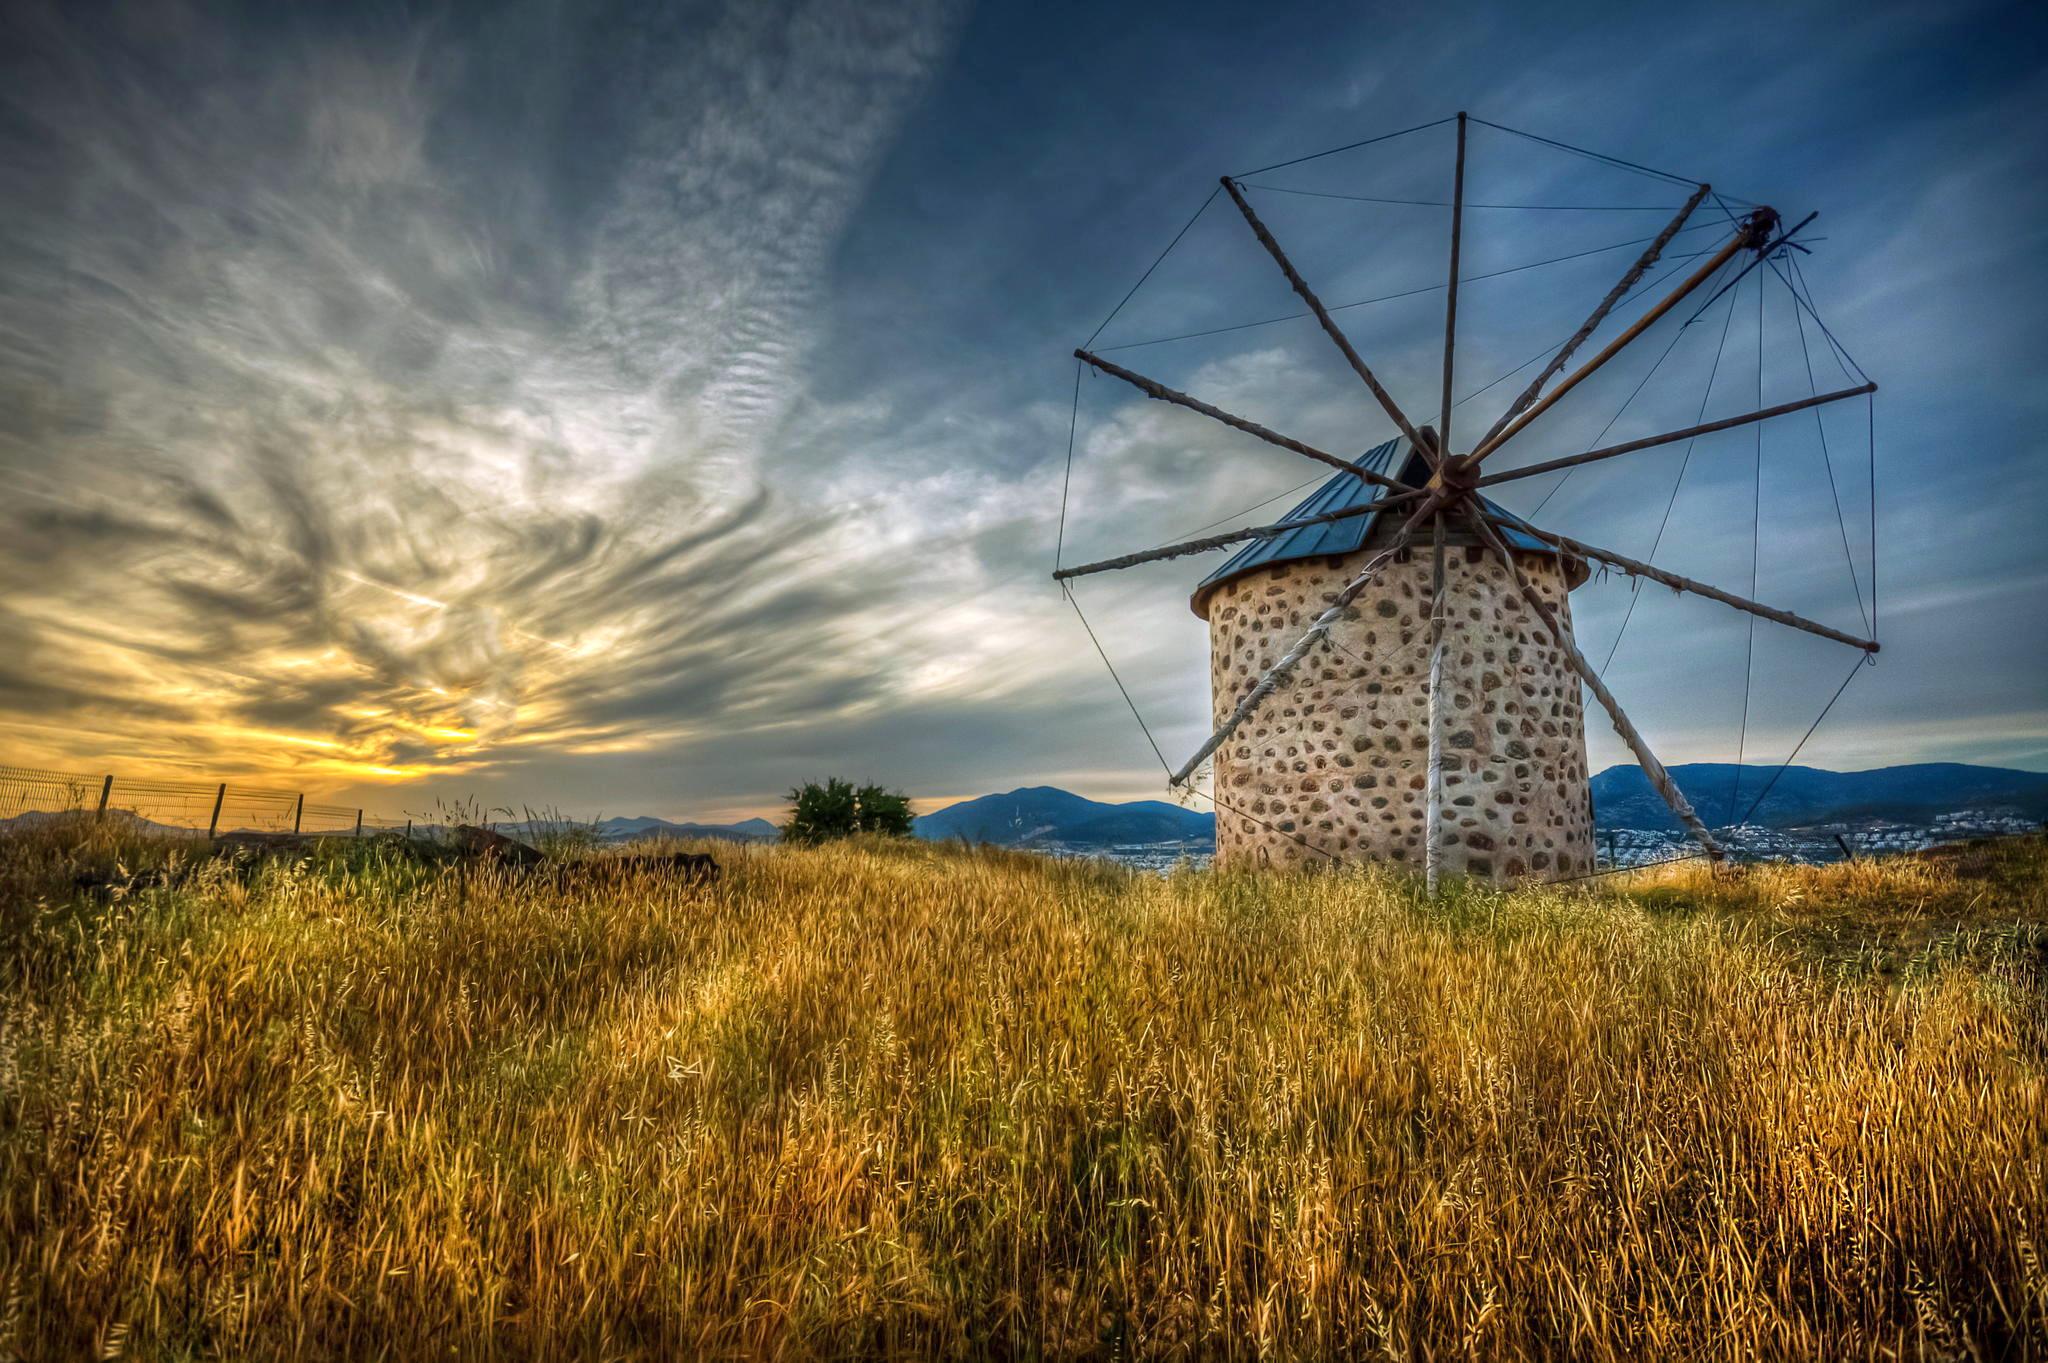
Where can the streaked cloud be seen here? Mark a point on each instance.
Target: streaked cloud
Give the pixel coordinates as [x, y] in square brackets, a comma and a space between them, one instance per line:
[341, 444]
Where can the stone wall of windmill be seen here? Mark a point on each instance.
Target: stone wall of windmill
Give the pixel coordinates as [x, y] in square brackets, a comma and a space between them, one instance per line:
[1338, 758]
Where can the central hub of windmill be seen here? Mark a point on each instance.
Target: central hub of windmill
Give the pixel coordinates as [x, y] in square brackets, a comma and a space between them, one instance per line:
[1458, 475]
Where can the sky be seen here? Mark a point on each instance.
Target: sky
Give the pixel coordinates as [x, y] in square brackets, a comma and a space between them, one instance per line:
[644, 408]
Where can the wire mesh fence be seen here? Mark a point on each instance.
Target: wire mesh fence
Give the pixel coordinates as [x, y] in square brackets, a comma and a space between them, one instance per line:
[203, 809]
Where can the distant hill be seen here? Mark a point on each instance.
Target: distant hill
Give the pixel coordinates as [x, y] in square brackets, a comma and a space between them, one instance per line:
[135, 823]
[1623, 798]
[626, 828]
[621, 829]
[1042, 814]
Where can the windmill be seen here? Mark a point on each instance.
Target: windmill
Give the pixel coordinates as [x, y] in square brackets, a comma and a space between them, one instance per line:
[1473, 761]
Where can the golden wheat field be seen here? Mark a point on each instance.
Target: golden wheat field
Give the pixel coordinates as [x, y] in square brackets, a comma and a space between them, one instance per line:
[880, 1100]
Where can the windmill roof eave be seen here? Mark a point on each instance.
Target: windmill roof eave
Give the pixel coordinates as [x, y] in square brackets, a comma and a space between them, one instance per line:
[1335, 539]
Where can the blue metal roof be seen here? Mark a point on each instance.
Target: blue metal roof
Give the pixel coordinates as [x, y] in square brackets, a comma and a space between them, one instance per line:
[1336, 538]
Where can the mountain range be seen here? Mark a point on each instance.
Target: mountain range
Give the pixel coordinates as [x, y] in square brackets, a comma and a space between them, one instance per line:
[626, 828]
[1622, 798]
[1042, 814]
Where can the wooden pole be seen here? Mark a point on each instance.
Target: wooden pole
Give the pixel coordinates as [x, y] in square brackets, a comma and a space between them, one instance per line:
[1749, 234]
[1292, 658]
[106, 789]
[359, 823]
[299, 812]
[1250, 532]
[1322, 314]
[1669, 437]
[1433, 843]
[1636, 568]
[219, 798]
[1654, 769]
[1614, 295]
[1443, 425]
[1162, 393]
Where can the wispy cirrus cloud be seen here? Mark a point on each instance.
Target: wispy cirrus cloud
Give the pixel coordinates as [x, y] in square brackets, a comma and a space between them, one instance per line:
[340, 441]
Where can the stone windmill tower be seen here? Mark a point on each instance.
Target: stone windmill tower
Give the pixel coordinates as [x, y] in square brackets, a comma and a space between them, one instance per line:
[1406, 687]
[1347, 756]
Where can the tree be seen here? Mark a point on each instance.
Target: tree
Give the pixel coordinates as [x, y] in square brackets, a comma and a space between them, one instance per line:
[837, 809]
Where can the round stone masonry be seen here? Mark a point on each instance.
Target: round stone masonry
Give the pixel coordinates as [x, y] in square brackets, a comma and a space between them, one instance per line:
[1336, 761]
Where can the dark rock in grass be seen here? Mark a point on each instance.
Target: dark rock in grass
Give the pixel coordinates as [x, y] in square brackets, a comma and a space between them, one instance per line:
[253, 844]
[483, 844]
[695, 867]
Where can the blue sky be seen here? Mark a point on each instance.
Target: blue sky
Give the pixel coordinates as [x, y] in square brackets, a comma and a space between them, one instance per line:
[646, 408]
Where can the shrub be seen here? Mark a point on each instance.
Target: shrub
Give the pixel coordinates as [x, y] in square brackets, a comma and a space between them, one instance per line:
[839, 809]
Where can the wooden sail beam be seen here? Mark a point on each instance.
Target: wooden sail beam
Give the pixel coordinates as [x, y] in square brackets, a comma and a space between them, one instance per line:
[1329, 324]
[1280, 671]
[1433, 817]
[1649, 257]
[1637, 568]
[1755, 228]
[1443, 425]
[1660, 778]
[1249, 532]
[1153, 389]
[1670, 437]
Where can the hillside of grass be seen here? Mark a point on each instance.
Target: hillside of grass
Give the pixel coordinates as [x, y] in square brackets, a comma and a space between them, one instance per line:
[911, 1100]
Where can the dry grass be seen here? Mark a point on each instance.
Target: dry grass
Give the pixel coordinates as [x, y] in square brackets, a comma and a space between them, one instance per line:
[903, 1100]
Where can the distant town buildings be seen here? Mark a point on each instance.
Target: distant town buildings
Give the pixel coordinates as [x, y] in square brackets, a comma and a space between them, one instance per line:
[1625, 847]
[1819, 844]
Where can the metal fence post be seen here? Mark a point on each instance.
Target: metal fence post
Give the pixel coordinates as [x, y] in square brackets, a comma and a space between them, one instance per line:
[106, 789]
[299, 812]
[359, 823]
[219, 798]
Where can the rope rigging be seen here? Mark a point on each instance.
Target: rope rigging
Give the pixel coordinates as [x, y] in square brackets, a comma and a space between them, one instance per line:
[1687, 180]
[1870, 420]
[1842, 355]
[1390, 297]
[1620, 411]
[1756, 804]
[1843, 358]
[1636, 591]
[1153, 266]
[1067, 480]
[1827, 460]
[1074, 601]
[1348, 146]
[1756, 526]
[1123, 690]
[1665, 209]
